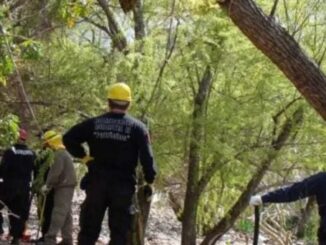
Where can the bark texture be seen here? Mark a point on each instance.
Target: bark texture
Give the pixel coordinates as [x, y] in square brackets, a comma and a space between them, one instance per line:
[139, 20]
[281, 48]
[119, 40]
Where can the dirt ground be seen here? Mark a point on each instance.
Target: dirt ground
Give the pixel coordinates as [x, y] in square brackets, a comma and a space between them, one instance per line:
[163, 227]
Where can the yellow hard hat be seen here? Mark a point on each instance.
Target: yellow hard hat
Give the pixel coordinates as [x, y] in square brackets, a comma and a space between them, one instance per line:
[119, 91]
[53, 139]
[51, 135]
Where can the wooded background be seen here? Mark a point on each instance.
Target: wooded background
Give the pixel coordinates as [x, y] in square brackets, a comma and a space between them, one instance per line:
[233, 93]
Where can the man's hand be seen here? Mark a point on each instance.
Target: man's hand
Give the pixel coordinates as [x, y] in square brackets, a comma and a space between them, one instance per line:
[45, 190]
[256, 200]
[148, 192]
[86, 159]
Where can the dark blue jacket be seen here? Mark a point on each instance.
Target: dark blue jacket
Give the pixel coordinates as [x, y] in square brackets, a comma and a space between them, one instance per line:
[314, 185]
[116, 142]
[16, 168]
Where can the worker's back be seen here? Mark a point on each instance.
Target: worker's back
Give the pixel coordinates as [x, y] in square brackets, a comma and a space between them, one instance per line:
[115, 141]
[17, 166]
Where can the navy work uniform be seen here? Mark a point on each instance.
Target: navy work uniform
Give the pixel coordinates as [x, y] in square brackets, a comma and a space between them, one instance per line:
[311, 186]
[16, 171]
[116, 141]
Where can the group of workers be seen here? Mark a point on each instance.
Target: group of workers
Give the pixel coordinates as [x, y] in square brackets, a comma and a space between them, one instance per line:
[115, 143]
[53, 176]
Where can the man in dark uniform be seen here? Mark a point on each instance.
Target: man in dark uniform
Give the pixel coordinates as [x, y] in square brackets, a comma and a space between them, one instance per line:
[116, 141]
[311, 186]
[16, 171]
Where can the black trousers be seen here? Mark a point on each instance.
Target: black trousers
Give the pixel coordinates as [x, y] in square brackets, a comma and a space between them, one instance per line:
[18, 202]
[322, 232]
[1, 220]
[1, 207]
[100, 196]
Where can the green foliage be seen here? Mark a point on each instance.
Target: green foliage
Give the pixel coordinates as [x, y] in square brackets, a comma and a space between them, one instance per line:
[311, 228]
[31, 50]
[66, 75]
[245, 226]
[71, 81]
[70, 11]
[9, 127]
[6, 63]
[44, 160]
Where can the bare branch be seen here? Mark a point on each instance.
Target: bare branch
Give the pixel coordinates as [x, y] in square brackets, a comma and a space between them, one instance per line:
[169, 37]
[274, 8]
[278, 114]
[286, 107]
[103, 28]
[16, 5]
[118, 38]
[161, 71]
[321, 59]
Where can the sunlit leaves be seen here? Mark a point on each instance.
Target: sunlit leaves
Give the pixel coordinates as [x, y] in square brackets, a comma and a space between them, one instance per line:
[8, 130]
[3, 10]
[6, 62]
[3, 81]
[31, 49]
[199, 6]
[6, 65]
[69, 12]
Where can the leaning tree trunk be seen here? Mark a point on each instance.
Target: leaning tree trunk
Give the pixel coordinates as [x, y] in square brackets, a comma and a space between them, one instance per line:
[281, 48]
[231, 216]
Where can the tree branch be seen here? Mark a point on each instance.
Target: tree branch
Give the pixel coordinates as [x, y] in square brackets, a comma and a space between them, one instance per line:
[274, 8]
[101, 27]
[281, 48]
[160, 74]
[118, 38]
[288, 128]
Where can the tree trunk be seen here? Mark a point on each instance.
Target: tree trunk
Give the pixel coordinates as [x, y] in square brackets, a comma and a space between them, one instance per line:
[304, 218]
[281, 48]
[127, 5]
[227, 222]
[139, 20]
[45, 24]
[189, 216]
[24, 109]
[119, 41]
